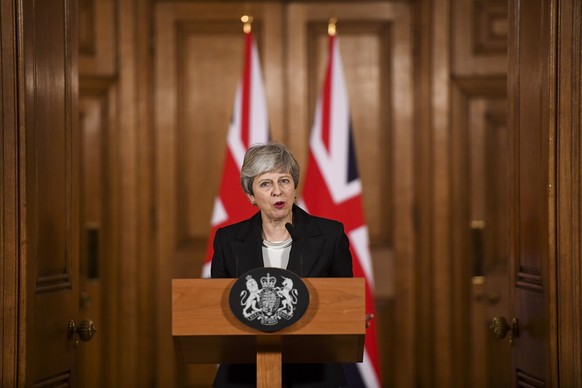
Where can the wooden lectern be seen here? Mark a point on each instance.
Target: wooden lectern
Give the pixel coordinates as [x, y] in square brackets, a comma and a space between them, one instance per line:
[206, 331]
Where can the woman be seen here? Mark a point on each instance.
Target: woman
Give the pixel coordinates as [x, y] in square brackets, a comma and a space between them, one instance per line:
[282, 235]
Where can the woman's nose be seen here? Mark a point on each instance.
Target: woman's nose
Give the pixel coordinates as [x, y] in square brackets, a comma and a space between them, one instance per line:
[276, 189]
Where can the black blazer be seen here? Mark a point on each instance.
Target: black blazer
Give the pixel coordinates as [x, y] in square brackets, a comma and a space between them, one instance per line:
[320, 249]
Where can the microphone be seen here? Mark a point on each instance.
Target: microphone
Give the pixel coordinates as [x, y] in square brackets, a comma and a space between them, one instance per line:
[291, 229]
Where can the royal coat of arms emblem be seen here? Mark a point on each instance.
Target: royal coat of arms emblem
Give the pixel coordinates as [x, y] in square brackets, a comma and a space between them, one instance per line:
[269, 298]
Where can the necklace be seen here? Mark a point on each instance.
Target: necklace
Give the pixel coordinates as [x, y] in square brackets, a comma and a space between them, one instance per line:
[282, 237]
[277, 244]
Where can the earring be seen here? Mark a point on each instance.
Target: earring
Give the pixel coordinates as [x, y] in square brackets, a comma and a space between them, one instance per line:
[253, 203]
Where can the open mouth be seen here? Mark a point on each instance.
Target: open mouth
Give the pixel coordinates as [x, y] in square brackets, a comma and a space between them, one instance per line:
[279, 205]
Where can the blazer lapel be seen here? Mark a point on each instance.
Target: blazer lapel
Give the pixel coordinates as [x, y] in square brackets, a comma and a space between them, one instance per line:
[250, 255]
[307, 245]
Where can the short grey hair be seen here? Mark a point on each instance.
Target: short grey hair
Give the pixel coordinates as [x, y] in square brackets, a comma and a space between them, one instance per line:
[263, 158]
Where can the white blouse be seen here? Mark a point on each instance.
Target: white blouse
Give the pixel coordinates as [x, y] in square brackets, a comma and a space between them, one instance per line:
[276, 254]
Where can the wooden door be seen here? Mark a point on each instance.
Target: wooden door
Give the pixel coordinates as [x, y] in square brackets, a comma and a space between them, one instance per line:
[49, 197]
[95, 252]
[9, 197]
[480, 184]
[489, 242]
[531, 94]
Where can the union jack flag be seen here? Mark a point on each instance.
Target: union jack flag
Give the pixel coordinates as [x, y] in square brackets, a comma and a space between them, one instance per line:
[333, 190]
[249, 125]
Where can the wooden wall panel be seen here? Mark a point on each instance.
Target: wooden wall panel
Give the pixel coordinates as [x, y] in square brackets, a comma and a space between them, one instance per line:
[115, 66]
[479, 37]
[49, 207]
[9, 197]
[532, 228]
[462, 53]
[479, 219]
[133, 192]
[49, 129]
[569, 195]
[205, 102]
[97, 258]
[101, 290]
[98, 37]
[107, 360]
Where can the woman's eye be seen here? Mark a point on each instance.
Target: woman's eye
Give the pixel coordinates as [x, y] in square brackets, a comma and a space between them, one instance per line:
[265, 184]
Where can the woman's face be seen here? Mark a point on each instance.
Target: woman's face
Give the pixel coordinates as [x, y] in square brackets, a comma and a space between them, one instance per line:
[274, 194]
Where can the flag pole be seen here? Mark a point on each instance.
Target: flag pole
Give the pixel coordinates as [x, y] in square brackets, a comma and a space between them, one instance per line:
[331, 26]
[247, 21]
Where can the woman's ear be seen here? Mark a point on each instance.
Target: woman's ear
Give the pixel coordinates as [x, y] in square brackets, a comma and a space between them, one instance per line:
[252, 199]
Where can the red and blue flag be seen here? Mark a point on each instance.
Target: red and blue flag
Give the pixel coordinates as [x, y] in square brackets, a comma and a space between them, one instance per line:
[333, 190]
